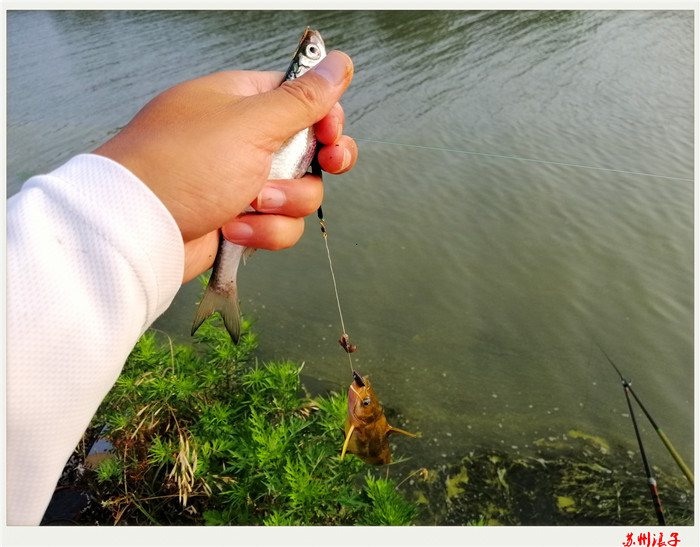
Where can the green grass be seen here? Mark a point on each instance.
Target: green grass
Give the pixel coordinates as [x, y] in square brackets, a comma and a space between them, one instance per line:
[203, 434]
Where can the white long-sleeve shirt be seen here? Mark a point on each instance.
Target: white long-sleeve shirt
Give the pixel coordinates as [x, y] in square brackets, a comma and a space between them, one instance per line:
[93, 258]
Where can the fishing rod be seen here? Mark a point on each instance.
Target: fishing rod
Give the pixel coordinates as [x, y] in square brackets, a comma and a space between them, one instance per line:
[650, 477]
[667, 443]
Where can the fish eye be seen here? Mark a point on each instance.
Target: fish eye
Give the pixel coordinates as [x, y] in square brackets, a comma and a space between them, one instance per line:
[313, 52]
[366, 401]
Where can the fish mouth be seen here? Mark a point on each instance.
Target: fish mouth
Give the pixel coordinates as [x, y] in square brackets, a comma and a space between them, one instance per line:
[358, 379]
[311, 36]
[353, 394]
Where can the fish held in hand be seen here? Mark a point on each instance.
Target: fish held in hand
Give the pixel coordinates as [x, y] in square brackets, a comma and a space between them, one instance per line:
[291, 161]
[366, 428]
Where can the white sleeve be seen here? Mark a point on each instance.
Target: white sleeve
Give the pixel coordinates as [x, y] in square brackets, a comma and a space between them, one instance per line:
[93, 258]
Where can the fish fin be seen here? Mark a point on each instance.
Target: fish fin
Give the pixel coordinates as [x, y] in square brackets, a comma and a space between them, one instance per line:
[347, 440]
[397, 430]
[227, 306]
[249, 251]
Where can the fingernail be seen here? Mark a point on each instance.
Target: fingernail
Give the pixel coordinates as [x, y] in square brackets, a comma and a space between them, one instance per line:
[238, 232]
[271, 198]
[347, 158]
[339, 132]
[334, 68]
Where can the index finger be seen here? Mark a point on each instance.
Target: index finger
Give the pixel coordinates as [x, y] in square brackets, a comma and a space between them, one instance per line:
[243, 82]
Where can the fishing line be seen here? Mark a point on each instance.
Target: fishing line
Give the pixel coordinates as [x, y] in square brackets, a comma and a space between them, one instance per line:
[344, 340]
[322, 222]
[530, 160]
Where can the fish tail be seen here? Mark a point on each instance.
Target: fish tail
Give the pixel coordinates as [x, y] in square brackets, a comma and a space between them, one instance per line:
[226, 305]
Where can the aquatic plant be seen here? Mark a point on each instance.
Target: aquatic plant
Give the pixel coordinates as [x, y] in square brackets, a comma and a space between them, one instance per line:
[576, 479]
[203, 433]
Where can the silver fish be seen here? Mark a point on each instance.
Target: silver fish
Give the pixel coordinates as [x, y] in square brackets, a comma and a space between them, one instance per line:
[291, 161]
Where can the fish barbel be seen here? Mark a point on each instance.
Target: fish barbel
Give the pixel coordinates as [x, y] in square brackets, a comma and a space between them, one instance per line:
[366, 428]
[291, 161]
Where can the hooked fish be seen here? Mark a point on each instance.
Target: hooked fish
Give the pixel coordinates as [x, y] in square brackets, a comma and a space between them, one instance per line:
[291, 161]
[366, 428]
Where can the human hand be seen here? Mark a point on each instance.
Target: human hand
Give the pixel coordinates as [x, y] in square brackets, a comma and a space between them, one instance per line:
[204, 147]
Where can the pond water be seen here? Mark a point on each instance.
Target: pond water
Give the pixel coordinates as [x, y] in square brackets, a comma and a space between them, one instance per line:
[524, 191]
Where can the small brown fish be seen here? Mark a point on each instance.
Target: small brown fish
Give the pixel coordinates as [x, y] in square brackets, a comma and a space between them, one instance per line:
[366, 428]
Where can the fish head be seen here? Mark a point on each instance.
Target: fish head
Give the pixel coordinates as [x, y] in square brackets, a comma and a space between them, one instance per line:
[310, 51]
[363, 405]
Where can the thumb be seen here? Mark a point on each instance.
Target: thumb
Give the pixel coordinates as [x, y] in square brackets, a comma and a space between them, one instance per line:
[300, 103]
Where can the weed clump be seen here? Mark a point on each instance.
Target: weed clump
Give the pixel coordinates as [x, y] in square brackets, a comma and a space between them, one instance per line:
[201, 434]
